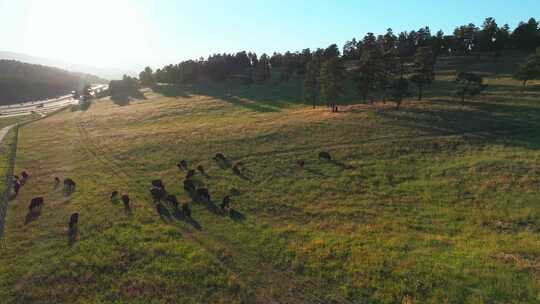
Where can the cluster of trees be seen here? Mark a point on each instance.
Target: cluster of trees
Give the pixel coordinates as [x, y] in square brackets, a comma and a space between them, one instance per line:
[20, 82]
[530, 70]
[381, 65]
[122, 90]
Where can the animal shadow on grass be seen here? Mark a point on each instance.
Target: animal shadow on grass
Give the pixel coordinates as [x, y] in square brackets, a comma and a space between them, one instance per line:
[163, 212]
[32, 216]
[127, 210]
[181, 217]
[224, 164]
[315, 172]
[237, 216]
[72, 236]
[342, 165]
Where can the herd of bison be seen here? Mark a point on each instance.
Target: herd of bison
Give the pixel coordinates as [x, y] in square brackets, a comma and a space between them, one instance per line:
[198, 193]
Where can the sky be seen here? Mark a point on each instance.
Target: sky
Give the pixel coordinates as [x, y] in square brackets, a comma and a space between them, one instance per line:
[134, 34]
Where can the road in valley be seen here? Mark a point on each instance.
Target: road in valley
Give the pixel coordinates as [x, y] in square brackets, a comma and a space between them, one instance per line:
[42, 107]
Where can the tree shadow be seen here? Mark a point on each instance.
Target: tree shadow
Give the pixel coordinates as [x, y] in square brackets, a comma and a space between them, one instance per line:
[516, 123]
[168, 90]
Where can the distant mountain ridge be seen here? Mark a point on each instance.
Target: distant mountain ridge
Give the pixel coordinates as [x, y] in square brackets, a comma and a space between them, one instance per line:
[109, 74]
[20, 82]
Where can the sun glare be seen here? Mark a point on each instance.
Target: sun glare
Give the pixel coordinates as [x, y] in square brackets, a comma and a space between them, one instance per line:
[90, 32]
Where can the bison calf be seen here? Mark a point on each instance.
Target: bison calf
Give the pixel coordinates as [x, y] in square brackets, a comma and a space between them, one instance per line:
[114, 194]
[125, 200]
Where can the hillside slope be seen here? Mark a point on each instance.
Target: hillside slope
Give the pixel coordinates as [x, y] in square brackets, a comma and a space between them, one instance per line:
[21, 82]
[432, 203]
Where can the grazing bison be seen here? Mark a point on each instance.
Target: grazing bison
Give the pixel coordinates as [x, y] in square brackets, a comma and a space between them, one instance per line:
[125, 200]
[189, 185]
[24, 177]
[237, 169]
[16, 187]
[157, 194]
[69, 185]
[225, 203]
[56, 182]
[202, 193]
[114, 194]
[183, 164]
[172, 200]
[186, 210]
[190, 174]
[219, 157]
[300, 163]
[325, 156]
[73, 220]
[35, 203]
[200, 168]
[157, 183]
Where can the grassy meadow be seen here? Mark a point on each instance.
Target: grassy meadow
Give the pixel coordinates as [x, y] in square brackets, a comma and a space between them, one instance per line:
[434, 203]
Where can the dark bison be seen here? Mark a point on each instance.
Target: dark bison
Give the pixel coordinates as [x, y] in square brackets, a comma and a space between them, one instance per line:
[24, 177]
[35, 203]
[186, 210]
[237, 169]
[114, 194]
[157, 183]
[125, 200]
[69, 185]
[225, 203]
[172, 200]
[219, 157]
[200, 168]
[202, 193]
[182, 165]
[325, 156]
[56, 181]
[190, 174]
[157, 194]
[16, 187]
[300, 163]
[73, 220]
[189, 185]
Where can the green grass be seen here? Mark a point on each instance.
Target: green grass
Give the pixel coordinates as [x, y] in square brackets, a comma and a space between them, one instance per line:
[8, 121]
[436, 202]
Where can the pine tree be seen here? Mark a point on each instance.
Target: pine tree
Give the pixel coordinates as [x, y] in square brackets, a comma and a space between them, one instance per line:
[311, 82]
[331, 79]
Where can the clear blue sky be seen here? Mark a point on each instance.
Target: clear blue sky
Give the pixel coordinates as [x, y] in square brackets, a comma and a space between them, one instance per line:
[132, 34]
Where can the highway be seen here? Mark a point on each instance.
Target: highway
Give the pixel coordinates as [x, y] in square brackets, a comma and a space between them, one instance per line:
[42, 107]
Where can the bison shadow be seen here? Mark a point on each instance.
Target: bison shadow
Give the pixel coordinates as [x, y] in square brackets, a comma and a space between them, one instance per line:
[72, 235]
[236, 215]
[32, 216]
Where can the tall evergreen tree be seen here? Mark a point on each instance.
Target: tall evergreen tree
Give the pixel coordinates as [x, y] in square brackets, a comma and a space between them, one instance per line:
[331, 81]
[311, 82]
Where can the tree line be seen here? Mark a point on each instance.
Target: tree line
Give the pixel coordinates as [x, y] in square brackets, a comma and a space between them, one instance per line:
[381, 65]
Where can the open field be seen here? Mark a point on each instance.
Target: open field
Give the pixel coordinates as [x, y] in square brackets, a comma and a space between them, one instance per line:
[434, 203]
